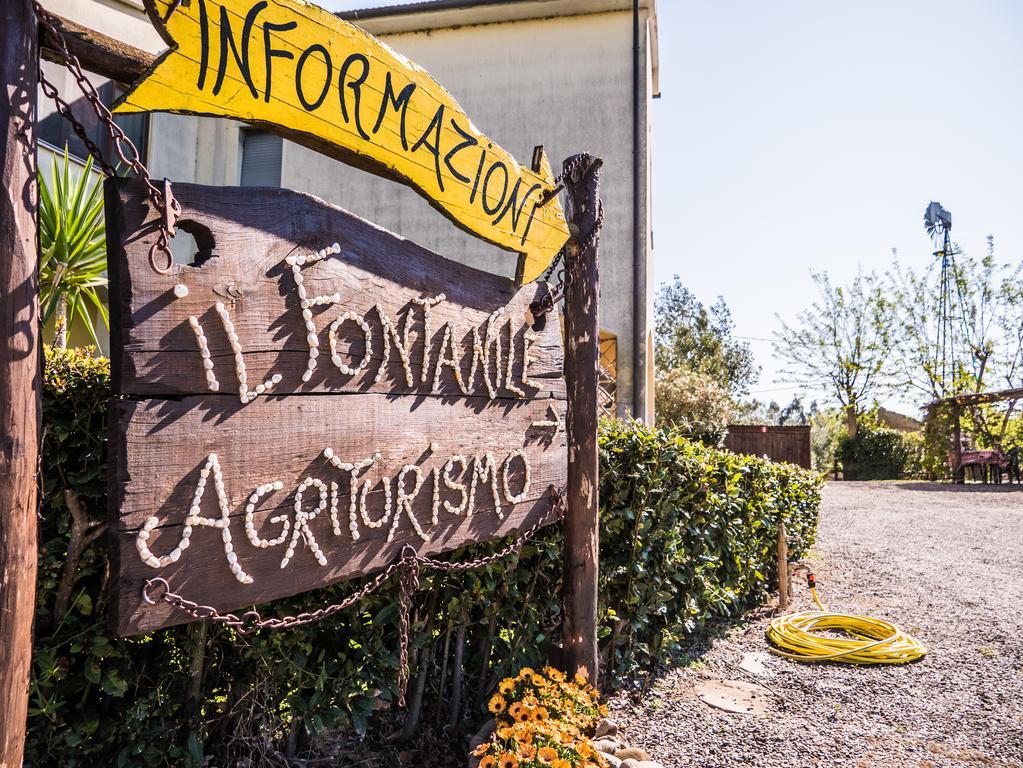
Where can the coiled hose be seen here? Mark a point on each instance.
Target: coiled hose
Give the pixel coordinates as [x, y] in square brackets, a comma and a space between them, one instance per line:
[873, 641]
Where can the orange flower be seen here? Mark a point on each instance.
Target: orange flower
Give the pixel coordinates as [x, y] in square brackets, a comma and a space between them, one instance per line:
[603, 710]
[497, 704]
[546, 755]
[554, 674]
[527, 751]
[489, 761]
[561, 763]
[507, 760]
[507, 685]
[506, 732]
[516, 709]
[537, 680]
[580, 677]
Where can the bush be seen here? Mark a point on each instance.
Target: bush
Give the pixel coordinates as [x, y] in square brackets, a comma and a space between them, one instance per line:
[877, 453]
[694, 405]
[687, 534]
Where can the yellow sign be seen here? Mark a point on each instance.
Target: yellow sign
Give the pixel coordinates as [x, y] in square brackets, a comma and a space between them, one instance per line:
[327, 84]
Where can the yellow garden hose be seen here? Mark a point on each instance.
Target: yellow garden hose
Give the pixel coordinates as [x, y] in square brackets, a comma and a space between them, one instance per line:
[872, 641]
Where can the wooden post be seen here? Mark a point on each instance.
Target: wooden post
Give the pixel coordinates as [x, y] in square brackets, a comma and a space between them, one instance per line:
[19, 372]
[784, 587]
[579, 591]
[958, 474]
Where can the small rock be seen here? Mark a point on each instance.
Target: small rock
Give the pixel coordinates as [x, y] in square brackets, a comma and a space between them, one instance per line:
[611, 760]
[482, 735]
[605, 727]
[607, 745]
[632, 753]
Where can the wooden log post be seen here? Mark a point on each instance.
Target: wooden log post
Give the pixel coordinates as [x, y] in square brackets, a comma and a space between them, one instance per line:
[784, 586]
[19, 372]
[579, 591]
[958, 472]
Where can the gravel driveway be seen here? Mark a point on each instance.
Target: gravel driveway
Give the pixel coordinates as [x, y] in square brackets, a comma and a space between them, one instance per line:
[945, 564]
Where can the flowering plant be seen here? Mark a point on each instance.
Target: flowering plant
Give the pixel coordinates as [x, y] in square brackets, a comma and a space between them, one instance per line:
[532, 697]
[538, 744]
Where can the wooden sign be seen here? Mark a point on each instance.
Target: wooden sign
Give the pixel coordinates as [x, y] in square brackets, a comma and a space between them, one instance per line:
[322, 82]
[310, 396]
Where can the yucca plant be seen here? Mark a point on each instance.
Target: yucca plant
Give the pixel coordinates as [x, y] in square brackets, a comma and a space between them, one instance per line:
[72, 248]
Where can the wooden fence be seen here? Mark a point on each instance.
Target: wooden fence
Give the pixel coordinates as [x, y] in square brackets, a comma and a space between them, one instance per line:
[791, 444]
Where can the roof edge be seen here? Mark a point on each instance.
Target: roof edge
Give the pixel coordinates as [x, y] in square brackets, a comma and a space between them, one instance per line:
[425, 15]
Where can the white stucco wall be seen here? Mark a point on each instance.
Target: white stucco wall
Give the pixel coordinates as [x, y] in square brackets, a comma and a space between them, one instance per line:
[564, 82]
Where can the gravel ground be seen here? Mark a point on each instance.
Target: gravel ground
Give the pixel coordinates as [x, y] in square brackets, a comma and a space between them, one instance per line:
[946, 564]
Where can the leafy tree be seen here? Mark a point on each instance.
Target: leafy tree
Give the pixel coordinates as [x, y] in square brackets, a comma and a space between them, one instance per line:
[987, 326]
[693, 404]
[698, 338]
[985, 346]
[841, 343]
[72, 249]
[796, 413]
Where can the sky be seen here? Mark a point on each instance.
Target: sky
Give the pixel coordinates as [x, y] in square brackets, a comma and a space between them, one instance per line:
[811, 134]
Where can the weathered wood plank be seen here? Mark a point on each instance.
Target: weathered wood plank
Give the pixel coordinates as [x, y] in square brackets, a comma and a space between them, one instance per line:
[96, 52]
[283, 439]
[20, 352]
[582, 527]
[245, 235]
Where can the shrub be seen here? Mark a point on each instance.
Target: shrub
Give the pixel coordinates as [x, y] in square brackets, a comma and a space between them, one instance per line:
[687, 533]
[693, 404]
[878, 453]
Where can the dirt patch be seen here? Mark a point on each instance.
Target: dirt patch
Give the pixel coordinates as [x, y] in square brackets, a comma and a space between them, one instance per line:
[945, 564]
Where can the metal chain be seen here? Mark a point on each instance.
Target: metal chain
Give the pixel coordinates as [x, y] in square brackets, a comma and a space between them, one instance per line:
[162, 199]
[407, 566]
[556, 292]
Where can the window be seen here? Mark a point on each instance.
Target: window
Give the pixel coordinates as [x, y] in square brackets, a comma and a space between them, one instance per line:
[607, 374]
[260, 164]
[54, 130]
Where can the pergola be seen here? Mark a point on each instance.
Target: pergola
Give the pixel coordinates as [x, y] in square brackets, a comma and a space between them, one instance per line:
[958, 403]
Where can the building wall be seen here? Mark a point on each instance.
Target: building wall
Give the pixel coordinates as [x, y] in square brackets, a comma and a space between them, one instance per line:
[563, 82]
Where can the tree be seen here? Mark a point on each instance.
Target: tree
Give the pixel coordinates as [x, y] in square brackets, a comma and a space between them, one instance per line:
[694, 404]
[987, 326]
[984, 349]
[841, 342]
[699, 339]
[72, 249]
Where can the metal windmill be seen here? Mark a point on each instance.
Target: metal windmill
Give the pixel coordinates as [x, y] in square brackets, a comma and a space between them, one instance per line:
[953, 330]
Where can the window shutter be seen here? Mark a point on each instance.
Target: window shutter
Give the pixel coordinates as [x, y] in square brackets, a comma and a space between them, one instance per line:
[261, 159]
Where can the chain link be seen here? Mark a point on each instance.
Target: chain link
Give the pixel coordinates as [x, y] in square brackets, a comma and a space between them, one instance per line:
[407, 566]
[163, 200]
[556, 292]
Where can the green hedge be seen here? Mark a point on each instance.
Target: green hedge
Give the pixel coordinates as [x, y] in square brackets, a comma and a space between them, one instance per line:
[687, 534]
[879, 453]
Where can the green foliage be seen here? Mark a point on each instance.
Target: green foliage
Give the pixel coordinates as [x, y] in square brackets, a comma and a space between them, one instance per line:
[826, 430]
[984, 344]
[841, 343]
[694, 405]
[697, 338]
[72, 246]
[879, 453]
[687, 533]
